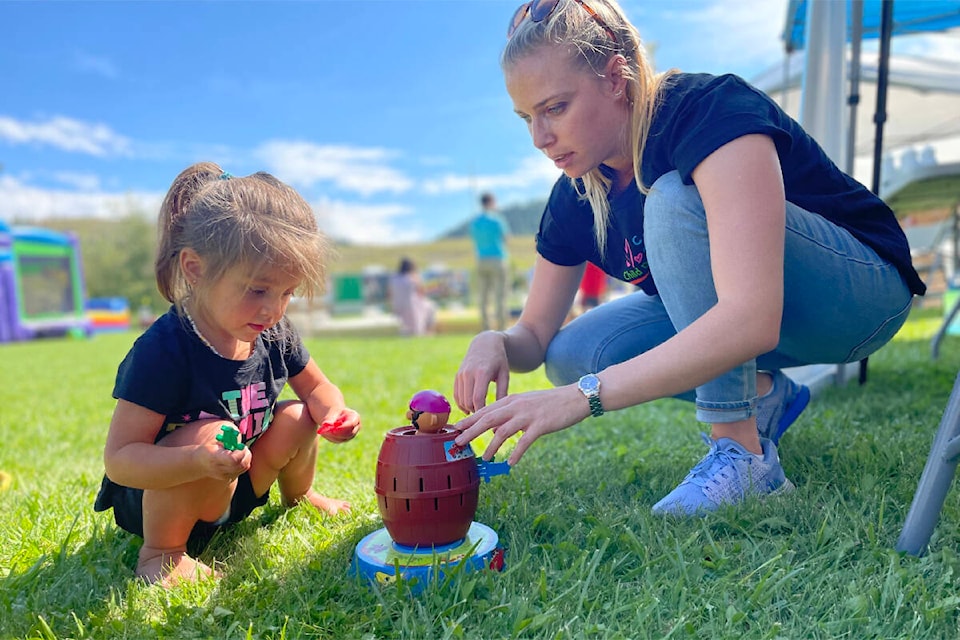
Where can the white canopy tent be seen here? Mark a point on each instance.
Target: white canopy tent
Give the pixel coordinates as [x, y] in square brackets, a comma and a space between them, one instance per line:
[822, 28]
[922, 130]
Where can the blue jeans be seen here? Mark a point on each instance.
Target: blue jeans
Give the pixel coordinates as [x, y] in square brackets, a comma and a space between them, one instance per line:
[841, 302]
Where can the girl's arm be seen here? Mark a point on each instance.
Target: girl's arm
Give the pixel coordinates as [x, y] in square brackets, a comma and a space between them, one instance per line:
[131, 458]
[325, 402]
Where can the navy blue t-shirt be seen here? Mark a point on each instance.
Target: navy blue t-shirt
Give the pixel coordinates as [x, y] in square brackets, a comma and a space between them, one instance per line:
[698, 114]
[170, 371]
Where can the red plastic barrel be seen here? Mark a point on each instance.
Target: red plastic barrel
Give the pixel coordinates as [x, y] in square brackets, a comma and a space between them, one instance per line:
[427, 495]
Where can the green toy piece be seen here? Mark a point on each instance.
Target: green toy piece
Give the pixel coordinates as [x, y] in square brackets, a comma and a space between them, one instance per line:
[229, 438]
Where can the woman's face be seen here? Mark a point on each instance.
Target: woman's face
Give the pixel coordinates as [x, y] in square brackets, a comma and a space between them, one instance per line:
[574, 115]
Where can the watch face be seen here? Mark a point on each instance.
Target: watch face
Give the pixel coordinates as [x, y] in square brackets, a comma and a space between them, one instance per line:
[589, 383]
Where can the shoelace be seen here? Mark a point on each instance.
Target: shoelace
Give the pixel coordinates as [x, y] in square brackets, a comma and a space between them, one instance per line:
[702, 473]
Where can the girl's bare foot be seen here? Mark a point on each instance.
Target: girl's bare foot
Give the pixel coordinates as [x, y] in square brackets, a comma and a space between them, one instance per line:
[170, 566]
[331, 506]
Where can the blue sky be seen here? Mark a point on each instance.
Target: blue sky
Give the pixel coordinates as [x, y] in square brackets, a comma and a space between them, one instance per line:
[389, 116]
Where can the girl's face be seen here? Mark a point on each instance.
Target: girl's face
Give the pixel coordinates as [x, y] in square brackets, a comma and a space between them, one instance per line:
[241, 305]
[574, 115]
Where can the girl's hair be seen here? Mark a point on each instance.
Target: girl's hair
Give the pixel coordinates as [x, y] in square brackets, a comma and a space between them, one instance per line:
[255, 222]
[576, 30]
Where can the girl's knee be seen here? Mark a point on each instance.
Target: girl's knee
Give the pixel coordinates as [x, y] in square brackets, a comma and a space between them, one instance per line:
[294, 414]
[291, 430]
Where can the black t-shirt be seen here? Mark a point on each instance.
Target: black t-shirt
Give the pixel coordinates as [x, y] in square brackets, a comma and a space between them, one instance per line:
[170, 371]
[698, 114]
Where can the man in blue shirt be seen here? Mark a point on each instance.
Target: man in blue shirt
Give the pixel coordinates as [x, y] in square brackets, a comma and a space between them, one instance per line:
[489, 231]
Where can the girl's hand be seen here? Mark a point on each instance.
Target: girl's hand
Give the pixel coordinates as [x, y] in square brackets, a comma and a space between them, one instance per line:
[535, 413]
[344, 426]
[485, 362]
[224, 464]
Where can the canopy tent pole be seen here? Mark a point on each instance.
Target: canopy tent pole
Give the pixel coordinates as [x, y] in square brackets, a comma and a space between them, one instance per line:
[880, 115]
[821, 94]
[883, 74]
[856, 37]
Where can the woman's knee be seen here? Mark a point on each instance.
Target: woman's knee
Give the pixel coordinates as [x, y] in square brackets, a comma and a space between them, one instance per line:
[564, 361]
[672, 208]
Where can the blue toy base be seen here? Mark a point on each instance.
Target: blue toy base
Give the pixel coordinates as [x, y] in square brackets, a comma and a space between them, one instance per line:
[379, 559]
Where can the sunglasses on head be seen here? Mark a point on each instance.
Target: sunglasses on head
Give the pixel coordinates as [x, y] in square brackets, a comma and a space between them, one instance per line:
[540, 10]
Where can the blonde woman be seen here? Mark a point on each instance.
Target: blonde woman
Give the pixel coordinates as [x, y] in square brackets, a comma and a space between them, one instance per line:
[751, 249]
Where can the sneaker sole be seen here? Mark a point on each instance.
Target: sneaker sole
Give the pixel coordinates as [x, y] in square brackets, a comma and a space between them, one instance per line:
[792, 412]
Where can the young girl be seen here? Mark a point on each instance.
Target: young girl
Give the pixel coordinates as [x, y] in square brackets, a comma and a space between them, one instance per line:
[231, 253]
[754, 252]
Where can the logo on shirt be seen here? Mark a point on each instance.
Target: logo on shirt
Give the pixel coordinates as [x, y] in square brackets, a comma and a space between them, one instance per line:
[635, 269]
[250, 409]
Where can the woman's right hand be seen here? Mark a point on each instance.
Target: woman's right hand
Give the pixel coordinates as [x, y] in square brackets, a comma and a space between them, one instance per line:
[485, 362]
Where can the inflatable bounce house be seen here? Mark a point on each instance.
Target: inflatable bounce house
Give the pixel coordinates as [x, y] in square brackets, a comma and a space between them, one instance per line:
[41, 284]
[108, 314]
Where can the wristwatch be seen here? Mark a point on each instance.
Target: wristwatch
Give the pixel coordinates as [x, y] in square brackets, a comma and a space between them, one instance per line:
[589, 386]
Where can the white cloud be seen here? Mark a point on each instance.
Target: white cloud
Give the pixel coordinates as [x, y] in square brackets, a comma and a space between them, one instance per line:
[365, 224]
[66, 134]
[744, 32]
[714, 35]
[356, 169]
[81, 181]
[25, 203]
[97, 65]
[532, 171]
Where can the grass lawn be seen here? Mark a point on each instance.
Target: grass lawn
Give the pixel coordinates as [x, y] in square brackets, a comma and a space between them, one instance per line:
[585, 558]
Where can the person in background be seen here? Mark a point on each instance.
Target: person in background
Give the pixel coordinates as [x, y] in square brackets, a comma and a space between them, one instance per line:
[409, 301]
[754, 252]
[593, 287]
[231, 253]
[489, 231]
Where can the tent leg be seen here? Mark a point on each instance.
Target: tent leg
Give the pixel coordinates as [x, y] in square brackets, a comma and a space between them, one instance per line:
[935, 481]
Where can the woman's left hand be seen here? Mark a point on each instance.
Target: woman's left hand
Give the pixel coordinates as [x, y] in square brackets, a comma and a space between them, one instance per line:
[535, 413]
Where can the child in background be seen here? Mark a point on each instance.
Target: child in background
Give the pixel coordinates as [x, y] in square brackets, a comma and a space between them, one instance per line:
[409, 301]
[231, 253]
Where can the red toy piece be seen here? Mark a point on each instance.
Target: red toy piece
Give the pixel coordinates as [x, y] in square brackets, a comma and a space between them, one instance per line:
[336, 425]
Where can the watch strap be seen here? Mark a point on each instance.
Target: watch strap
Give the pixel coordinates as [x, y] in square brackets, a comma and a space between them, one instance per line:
[596, 409]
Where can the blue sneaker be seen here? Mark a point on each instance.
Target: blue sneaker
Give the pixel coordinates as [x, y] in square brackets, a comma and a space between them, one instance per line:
[728, 474]
[782, 405]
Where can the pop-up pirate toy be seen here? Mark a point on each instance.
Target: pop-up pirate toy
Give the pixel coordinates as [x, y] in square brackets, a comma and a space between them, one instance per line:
[427, 489]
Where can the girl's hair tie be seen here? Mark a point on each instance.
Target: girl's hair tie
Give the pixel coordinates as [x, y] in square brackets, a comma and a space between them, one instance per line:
[225, 176]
